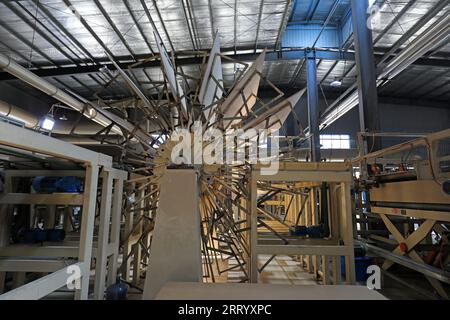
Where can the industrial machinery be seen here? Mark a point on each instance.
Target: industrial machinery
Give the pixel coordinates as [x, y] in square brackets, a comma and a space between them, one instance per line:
[403, 206]
[49, 216]
[221, 223]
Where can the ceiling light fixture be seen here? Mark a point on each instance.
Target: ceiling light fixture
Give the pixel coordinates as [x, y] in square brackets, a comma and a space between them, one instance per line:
[48, 123]
[336, 83]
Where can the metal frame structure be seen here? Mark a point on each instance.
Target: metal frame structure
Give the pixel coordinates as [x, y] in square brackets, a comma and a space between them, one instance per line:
[18, 138]
[154, 110]
[411, 193]
[139, 224]
[321, 17]
[315, 253]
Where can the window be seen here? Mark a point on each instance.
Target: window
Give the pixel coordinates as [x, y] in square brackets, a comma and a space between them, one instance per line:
[335, 141]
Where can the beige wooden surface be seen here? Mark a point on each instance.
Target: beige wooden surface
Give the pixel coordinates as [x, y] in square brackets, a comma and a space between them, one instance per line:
[245, 291]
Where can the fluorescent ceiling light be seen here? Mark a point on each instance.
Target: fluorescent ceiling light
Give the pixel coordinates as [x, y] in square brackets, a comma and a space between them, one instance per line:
[336, 83]
[48, 123]
[349, 103]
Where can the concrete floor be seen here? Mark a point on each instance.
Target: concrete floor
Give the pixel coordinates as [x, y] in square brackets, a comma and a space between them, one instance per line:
[283, 270]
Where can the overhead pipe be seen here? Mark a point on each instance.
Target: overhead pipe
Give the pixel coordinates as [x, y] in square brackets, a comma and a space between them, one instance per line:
[82, 135]
[11, 111]
[10, 66]
[426, 269]
[89, 140]
[427, 40]
[32, 121]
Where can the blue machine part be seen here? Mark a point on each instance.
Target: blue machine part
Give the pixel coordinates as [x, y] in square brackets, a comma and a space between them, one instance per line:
[312, 231]
[37, 235]
[298, 231]
[56, 184]
[29, 236]
[361, 265]
[117, 291]
[56, 235]
[316, 232]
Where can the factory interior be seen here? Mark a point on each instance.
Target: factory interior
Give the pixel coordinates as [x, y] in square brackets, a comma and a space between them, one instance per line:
[225, 150]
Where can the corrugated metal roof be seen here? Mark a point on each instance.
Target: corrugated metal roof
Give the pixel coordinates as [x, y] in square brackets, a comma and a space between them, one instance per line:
[125, 27]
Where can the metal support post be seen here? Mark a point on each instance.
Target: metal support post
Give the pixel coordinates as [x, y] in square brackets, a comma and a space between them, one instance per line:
[365, 64]
[313, 107]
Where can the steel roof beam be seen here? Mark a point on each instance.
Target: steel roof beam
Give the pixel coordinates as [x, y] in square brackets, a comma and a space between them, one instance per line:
[163, 25]
[433, 36]
[113, 25]
[17, 53]
[86, 25]
[334, 55]
[191, 13]
[191, 31]
[283, 24]
[412, 31]
[258, 26]
[63, 29]
[23, 18]
[235, 27]
[28, 43]
[395, 20]
[312, 10]
[136, 23]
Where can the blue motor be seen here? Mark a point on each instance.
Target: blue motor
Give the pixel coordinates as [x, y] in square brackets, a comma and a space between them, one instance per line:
[298, 231]
[316, 232]
[117, 291]
[361, 266]
[40, 235]
[57, 184]
[56, 235]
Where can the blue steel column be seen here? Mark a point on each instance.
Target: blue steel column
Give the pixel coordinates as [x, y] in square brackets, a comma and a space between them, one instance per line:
[365, 63]
[313, 107]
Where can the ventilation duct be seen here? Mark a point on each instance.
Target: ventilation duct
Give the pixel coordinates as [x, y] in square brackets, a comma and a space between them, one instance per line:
[8, 65]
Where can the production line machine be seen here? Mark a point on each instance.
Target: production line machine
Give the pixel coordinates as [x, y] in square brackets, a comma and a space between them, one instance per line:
[402, 201]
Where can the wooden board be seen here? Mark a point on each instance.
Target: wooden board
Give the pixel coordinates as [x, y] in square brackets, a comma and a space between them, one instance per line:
[244, 291]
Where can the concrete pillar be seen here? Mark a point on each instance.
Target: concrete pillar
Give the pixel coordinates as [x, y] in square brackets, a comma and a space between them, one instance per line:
[176, 245]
